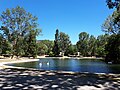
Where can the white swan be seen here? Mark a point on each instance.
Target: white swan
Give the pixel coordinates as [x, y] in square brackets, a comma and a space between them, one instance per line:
[109, 62]
[40, 64]
[48, 63]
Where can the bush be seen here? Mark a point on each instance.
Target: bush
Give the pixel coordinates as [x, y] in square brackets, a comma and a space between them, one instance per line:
[51, 54]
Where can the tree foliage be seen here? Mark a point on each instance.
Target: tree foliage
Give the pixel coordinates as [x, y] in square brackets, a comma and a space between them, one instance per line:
[113, 49]
[112, 24]
[101, 43]
[17, 25]
[88, 45]
[82, 44]
[56, 50]
[92, 46]
[49, 44]
[42, 49]
[32, 46]
[64, 42]
[61, 43]
[112, 3]
[72, 50]
[45, 47]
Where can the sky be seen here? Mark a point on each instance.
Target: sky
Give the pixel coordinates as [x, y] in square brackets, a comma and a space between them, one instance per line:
[69, 16]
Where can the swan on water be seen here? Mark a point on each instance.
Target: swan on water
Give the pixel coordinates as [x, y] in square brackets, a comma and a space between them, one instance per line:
[48, 63]
[40, 64]
[109, 62]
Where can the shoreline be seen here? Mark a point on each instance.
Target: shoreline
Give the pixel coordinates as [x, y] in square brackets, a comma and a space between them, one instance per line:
[15, 60]
[4, 63]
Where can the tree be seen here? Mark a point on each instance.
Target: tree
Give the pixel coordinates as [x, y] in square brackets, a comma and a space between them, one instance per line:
[17, 23]
[61, 43]
[115, 18]
[42, 49]
[45, 47]
[6, 47]
[112, 24]
[49, 44]
[56, 50]
[92, 46]
[32, 45]
[112, 3]
[82, 44]
[101, 43]
[113, 49]
[108, 26]
[64, 42]
[72, 50]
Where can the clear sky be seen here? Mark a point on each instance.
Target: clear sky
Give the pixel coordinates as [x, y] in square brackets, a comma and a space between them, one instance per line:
[69, 16]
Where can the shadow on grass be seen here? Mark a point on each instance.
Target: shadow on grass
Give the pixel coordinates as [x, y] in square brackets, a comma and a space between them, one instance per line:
[25, 79]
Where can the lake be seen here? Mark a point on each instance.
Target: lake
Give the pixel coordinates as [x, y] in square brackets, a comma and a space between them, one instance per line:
[75, 65]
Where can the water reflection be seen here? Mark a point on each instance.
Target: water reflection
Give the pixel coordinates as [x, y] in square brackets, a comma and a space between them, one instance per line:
[72, 65]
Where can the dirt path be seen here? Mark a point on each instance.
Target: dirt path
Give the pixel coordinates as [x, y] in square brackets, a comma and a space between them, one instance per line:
[28, 79]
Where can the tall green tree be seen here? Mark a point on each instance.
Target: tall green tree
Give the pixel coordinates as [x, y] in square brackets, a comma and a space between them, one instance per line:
[42, 49]
[61, 43]
[56, 50]
[113, 22]
[17, 23]
[64, 42]
[6, 47]
[32, 45]
[72, 50]
[82, 44]
[49, 44]
[113, 49]
[92, 46]
[112, 27]
[101, 43]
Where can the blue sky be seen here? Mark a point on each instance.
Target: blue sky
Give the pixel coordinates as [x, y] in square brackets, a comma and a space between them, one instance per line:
[69, 16]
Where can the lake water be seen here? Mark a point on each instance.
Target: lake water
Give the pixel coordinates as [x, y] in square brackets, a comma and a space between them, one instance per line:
[92, 66]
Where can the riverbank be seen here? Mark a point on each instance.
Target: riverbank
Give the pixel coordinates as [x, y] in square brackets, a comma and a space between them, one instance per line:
[6, 60]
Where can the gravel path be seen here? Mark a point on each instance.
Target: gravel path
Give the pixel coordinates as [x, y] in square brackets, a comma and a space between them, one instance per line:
[30, 79]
